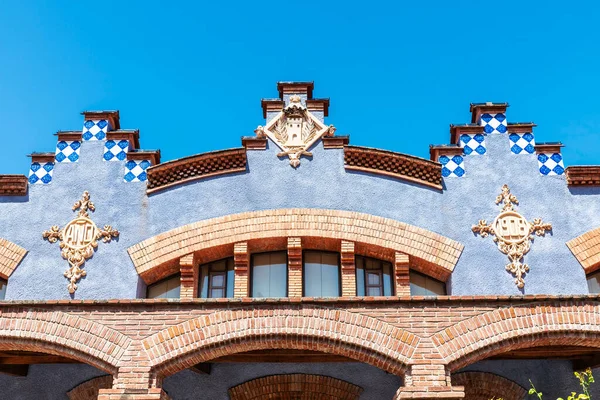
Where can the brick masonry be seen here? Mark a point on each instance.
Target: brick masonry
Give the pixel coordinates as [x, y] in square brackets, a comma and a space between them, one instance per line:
[586, 249]
[433, 253]
[295, 387]
[89, 390]
[486, 386]
[423, 339]
[10, 256]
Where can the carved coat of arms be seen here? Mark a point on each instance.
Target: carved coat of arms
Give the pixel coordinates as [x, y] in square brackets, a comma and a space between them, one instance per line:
[294, 130]
[78, 239]
[513, 234]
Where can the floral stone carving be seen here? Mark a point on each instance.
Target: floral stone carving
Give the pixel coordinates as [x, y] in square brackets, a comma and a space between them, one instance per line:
[512, 233]
[78, 239]
[294, 130]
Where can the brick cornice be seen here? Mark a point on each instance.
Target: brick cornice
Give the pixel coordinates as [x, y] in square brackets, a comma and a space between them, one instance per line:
[586, 249]
[486, 386]
[439, 253]
[397, 165]
[583, 175]
[10, 256]
[200, 166]
[13, 185]
[291, 386]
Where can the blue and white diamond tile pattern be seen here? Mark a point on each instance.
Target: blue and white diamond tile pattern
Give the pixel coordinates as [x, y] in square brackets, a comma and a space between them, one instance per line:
[95, 129]
[522, 143]
[41, 173]
[493, 123]
[67, 151]
[551, 164]
[116, 150]
[135, 170]
[473, 144]
[452, 167]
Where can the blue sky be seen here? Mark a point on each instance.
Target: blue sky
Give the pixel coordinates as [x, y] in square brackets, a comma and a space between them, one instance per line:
[191, 75]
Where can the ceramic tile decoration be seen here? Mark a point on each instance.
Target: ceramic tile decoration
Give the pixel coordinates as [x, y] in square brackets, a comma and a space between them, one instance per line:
[67, 151]
[551, 164]
[522, 143]
[473, 144]
[95, 129]
[135, 170]
[452, 167]
[493, 123]
[116, 150]
[41, 173]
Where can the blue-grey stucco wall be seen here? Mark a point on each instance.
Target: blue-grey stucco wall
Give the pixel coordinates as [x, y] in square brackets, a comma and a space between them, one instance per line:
[319, 182]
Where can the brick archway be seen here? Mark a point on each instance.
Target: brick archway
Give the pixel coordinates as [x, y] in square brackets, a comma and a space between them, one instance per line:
[486, 386]
[88, 390]
[59, 333]
[513, 328]
[359, 337]
[438, 253]
[296, 387]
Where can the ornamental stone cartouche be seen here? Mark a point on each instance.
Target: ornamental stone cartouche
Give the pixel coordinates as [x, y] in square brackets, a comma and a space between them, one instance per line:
[78, 239]
[512, 233]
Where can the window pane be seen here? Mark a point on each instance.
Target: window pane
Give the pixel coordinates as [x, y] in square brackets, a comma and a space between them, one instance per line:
[218, 280]
[269, 275]
[373, 278]
[360, 276]
[216, 293]
[230, 278]
[422, 285]
[321, 274]
[3, 284]
[388, 288]
[373, 291]
[167, 289]
[203, 281]
[593, 281]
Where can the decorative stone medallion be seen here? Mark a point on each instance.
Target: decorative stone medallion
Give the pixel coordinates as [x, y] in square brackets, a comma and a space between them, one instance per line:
[78, 239]
[294, 130]
[512, 233]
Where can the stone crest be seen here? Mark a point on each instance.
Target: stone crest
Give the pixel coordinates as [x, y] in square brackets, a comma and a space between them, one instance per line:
[513, 233]
[294, 130]
[78, 239]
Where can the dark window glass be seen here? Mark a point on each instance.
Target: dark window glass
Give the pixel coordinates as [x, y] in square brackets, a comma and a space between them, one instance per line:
[269, 274]
[321, 274]
[373, 277]
[165, 289]
[3, 284]
[593, 281]
[423, 285]
[216, 279]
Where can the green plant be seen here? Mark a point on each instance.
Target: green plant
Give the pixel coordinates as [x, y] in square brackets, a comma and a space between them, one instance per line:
[585, 380]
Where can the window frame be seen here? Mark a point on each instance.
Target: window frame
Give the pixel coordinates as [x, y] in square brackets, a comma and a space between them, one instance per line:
[251, 275]
[229, 262]
[381, 275]
[412, 271]
[339, 270]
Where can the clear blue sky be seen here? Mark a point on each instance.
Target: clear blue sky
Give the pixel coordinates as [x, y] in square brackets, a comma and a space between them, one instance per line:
[191, 75]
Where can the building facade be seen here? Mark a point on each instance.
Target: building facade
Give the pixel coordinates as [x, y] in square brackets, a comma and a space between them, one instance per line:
[299, 266]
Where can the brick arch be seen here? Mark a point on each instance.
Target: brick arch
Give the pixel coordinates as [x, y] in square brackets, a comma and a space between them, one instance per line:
[359, 337]
[88, 390]
[296, 387]
[10, 256]
[431, 249]
[513, 328]
[63, 334]
[486, 386]
[586, 249]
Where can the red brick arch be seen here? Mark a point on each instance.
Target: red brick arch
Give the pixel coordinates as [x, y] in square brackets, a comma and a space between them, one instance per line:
[296, 387]
[486, 386]
[63, 334]
[88, 390]
[327, 330]
[439, 253]
[513, 328]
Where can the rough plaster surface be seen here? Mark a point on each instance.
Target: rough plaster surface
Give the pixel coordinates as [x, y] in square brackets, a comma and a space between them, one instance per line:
[319, 182]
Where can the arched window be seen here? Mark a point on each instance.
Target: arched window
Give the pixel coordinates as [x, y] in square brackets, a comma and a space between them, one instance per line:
[373, 277]
[321, 274]
[423, 285]
[216, 279]
[269, 274]
[168, 288]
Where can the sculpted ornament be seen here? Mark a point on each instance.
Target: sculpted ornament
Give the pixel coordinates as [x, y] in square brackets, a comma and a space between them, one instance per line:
[78, 239]
[294, 130]
[512, 233]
